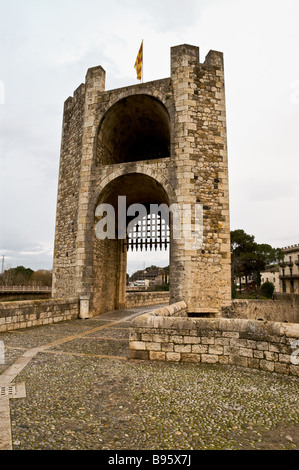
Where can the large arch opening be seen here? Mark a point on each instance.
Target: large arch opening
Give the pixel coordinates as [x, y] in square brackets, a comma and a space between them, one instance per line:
[135, 128]
[124, 245]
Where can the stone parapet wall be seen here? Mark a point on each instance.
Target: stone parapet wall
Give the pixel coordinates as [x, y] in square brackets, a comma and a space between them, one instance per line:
[25, 314]
[249, 343]
[285, 308]
[140, 299]
[179, 309]
[292, 299]
[19, 297]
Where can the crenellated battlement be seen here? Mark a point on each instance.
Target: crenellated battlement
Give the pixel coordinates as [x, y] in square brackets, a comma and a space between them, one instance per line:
[291, 248]
[72, 100]
[183, 55]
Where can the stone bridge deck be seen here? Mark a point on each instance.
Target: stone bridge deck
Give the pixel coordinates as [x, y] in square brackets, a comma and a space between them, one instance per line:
[71, 386]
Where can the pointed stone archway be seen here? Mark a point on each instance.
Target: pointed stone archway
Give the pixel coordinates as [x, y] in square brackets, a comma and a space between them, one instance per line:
[110, 255]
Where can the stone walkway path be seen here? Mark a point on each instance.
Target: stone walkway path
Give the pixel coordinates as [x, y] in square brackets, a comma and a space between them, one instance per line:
[71, 386]
[36, 337]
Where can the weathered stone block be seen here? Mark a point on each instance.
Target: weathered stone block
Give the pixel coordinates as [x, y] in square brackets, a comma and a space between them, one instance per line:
[192, 339]
[267, 365]
[153, 346]
[167, 347]
[271, 356]
[294, 369]
[160, 338]
[199, 349]
[135, 336]
[171, 356]
[230, 334]
[139, 345]
[281, 368]
[209, 358]
[238, 361]
[182, 348]
[253, 363]
[262, 345]
[246, 352]
[215, 349]
[137, 354]
[223, 359]
[157, 356]
[285, 358]
[146, 337]
[177, 339]
[186, 357]
[222, 341]
[258, 354]
[206, 340]
[241, 343]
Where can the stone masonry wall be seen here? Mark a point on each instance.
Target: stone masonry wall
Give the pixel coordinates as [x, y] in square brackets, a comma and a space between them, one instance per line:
[67, 243]
[201, 274]
[284, 310]
[104, 291]
[248, 343]
[25, 314]
[140, 299]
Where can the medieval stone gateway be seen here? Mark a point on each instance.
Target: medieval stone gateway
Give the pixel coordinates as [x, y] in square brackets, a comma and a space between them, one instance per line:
[162, 142]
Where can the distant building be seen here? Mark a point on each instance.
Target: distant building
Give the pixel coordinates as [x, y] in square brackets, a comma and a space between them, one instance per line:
[142, 282]
[271, 274]
[289, 270]
[152, 276]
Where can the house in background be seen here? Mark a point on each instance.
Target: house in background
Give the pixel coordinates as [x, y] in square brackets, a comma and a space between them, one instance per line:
[289, 270]
[284, 276]
[151, 276]
[271, 274]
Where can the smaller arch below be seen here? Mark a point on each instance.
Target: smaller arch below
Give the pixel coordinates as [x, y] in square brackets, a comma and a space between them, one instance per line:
[132, 192]
[118, 178]
[110, 251]
[135, 128]
[136, 187]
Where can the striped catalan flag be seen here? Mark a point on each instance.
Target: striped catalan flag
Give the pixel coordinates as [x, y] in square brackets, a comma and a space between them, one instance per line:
[138, 63]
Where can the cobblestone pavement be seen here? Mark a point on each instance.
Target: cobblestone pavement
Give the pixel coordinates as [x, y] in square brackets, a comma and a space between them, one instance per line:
[82, 392]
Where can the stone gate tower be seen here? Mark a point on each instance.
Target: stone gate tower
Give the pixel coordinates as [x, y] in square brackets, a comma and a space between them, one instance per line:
[161, 142]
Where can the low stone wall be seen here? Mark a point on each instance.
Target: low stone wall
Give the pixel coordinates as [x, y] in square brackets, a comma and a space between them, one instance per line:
[21, 297]
[248, 343]
[178, 309]
[285, 308]
[140, 299]
[24, 314]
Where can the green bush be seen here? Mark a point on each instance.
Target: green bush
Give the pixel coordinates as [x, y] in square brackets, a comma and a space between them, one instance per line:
[267, 289]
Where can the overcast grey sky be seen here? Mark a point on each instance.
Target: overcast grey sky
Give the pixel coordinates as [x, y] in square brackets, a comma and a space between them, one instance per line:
[46, 47]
